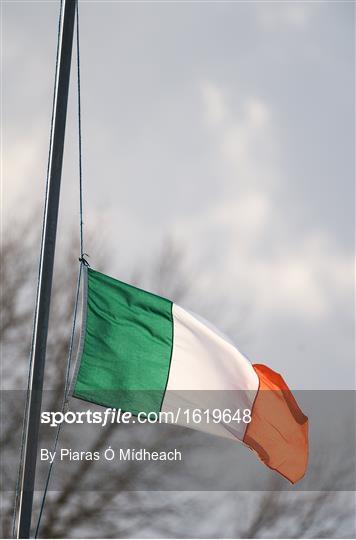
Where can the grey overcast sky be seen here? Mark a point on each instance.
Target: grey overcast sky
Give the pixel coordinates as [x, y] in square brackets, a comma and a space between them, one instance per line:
[228, 125]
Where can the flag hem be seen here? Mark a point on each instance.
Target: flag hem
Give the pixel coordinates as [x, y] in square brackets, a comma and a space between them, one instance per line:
[83, 328]
[170, 358]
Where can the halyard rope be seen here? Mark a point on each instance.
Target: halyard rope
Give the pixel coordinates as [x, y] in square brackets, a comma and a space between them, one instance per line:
[83, 262]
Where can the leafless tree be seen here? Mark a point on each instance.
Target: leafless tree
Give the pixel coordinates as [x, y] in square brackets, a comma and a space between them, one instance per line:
[119, 512]
[67, 509]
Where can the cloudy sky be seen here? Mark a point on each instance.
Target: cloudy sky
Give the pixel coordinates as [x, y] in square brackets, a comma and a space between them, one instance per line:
[226, 125]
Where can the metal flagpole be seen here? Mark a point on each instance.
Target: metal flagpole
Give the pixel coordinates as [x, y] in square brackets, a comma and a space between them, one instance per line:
[46, 267]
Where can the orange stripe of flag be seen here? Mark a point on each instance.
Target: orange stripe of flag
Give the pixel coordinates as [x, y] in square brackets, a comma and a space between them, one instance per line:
[278, 431]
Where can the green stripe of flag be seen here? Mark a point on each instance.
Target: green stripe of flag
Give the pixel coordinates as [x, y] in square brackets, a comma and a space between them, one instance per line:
[127, 348]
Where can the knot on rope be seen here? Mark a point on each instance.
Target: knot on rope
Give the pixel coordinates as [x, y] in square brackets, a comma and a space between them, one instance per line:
[83, 260]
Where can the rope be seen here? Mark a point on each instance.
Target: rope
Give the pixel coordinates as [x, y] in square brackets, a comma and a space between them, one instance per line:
[64, 402]
[80, 140]
[83, 262]
[82, 259]
[23, 430]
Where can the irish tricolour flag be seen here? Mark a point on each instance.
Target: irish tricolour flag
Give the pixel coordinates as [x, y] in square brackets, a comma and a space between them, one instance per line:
[143, 353]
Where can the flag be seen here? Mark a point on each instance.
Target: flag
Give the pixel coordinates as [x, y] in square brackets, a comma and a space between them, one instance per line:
[142, 353]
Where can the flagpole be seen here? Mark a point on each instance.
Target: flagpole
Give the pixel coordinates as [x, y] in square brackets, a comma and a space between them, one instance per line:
[38, 355]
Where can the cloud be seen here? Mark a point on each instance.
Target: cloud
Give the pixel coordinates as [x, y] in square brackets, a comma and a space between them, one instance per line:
[243, 135]
[244, 217]
[245, 138]
[277, 269]
[303, 280]
[299, 278]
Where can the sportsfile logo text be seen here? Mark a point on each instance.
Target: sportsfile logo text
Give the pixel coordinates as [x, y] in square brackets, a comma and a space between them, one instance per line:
[118, 416]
